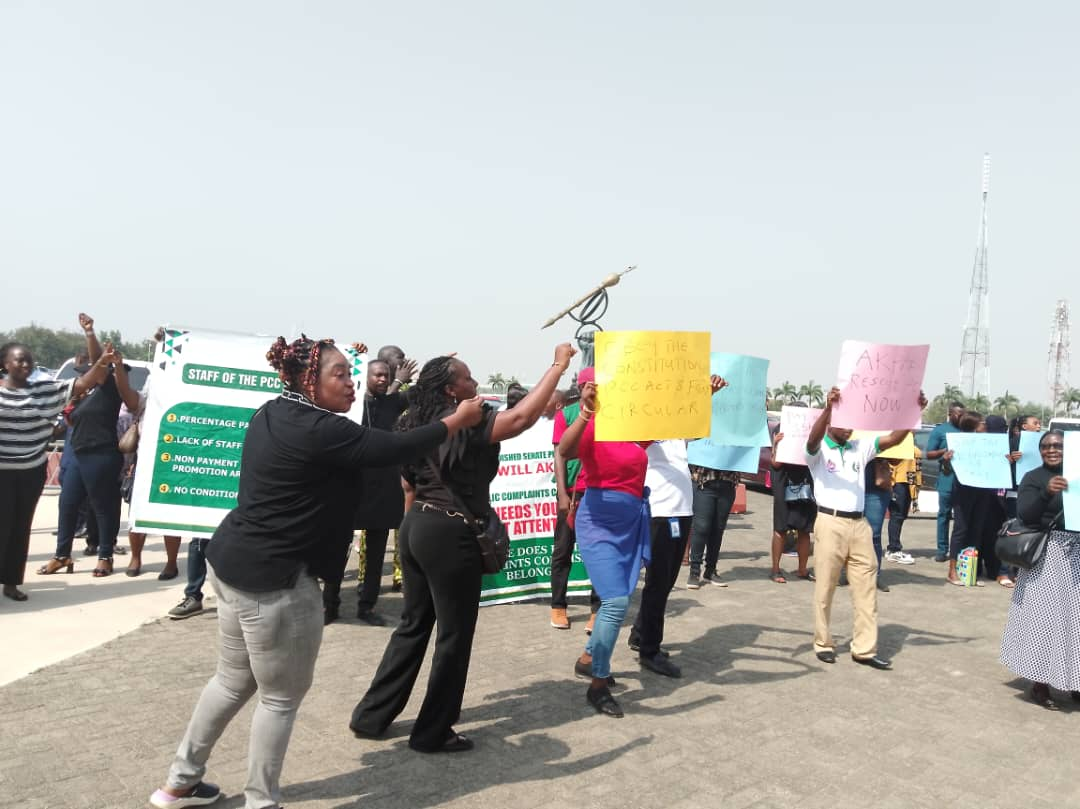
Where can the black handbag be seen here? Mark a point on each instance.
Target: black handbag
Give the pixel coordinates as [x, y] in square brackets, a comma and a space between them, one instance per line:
[1021, 545]
[491, 533]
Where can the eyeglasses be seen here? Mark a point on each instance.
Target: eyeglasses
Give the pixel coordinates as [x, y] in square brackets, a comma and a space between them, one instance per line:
[1053, 446]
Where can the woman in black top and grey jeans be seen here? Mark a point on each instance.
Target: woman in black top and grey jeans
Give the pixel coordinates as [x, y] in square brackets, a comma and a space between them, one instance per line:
[292, 523]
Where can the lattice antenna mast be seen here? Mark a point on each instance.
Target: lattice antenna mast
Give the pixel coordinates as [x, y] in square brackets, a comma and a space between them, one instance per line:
[975, 346]
[1058, 366]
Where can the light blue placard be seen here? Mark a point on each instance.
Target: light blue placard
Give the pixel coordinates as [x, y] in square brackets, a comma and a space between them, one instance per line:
[706, 452]
[738, 411]
[1070, 470]
[981, 460]
[1030, 458]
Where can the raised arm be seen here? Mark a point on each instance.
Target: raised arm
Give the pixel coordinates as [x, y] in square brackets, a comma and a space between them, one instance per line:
[817, 432]
[509, 423]
[97, 374]
[123, 384]
[93, 347]
[775, 443]
[571, 439]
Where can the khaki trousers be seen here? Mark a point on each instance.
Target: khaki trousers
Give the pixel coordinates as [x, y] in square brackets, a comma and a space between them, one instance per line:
[839, 541]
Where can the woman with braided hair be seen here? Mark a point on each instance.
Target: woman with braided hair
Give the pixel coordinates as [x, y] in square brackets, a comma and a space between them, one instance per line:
[292, 524]
[440, 557]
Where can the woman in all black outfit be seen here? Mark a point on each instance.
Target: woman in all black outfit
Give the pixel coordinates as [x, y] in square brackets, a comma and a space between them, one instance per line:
[440, 557]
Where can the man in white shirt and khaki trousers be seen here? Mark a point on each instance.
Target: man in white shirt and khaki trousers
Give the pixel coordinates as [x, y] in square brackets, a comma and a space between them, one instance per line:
[842, 534]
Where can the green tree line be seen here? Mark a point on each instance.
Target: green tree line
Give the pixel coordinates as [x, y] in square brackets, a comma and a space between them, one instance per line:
[51, 347]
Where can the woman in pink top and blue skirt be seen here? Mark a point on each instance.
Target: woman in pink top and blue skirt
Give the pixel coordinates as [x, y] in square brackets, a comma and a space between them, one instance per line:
[612, 526]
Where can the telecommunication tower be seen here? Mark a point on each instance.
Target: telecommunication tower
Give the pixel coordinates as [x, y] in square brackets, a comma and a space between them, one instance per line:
[975, 347]
[1058, 366]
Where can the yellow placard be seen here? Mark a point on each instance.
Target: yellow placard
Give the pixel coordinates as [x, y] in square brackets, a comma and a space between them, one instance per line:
[903, 451]
[652, 385]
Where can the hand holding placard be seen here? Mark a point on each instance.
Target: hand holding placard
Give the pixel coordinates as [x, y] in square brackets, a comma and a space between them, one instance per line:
[795, 424]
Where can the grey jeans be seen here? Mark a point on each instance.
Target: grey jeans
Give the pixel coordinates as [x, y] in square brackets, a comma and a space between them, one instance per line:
[268, 642]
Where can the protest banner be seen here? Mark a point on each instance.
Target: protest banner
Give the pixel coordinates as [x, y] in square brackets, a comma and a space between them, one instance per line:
[652, 385]
[879, 386]
[1030, 457]
[980, 460]
[795, 424]
[523, 494]
[738, 410]
[1070, 470]
[704, 452]
[204, 387]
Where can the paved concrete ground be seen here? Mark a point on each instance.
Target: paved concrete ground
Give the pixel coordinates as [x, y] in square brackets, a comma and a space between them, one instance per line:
[755, 721]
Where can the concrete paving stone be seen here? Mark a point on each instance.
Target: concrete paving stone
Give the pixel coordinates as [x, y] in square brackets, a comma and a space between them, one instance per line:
[753, 718]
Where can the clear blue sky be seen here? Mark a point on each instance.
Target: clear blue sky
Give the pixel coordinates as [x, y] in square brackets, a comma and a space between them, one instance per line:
[448, 175]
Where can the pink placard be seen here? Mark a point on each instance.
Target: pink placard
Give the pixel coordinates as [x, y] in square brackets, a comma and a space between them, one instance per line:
[879, 386]
[795, 424]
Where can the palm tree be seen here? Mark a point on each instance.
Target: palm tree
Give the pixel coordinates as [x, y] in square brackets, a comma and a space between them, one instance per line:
[979, 403]
[813, 393]
[497, 382]
[1071, 400]
[787, 392]
[953, 394]
[1007, 402]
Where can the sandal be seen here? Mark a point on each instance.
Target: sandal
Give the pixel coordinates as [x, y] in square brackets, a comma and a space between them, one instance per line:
[1040, 695]
[778, 577]
[103, 569]
[1005, 581]
[55, 565]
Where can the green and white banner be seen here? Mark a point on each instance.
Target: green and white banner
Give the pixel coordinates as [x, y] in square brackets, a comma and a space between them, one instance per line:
[204, 388]
[523, 493]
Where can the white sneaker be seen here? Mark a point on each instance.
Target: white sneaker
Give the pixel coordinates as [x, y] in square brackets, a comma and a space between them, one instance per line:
[900, 557]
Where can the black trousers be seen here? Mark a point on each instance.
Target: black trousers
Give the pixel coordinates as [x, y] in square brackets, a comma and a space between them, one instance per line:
[562, 557]
[970, 515]
[660, 576]
[367, 589]
[440, 561]
[899, 507]
[20, 490]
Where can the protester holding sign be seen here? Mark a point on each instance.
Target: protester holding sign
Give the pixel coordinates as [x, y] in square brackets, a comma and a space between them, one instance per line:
[937, 449]
[613, 538]
[843, 534]
[440, 554]
[1041, 641]
[974, 509]
[291, 525]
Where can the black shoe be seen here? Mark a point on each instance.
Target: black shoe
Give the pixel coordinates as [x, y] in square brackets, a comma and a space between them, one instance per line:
[660, 665]
[585, 670]
[634, 642]
[120, 550]
[941, 557]
[882, 586]
[604, 703]
[456, 743]
[330, 614]
[168, 575]
[370, 617]
[364, 734]
[90, 550]
[395, 587]
[874, 662]
[827, 657]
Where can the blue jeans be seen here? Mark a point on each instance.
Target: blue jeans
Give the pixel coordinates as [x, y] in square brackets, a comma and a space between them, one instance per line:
[944, 514]
[712, 507]
[875, 506]
[196, 569]
[92, 475]
[605, 632]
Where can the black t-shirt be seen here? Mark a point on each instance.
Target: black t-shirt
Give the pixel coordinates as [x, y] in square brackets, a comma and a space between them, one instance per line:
[467, 462]
[382, 412]
[93, 421]
[298, 479]
[381, 502]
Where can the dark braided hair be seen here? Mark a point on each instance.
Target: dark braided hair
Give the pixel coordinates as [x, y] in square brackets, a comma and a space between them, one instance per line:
[428, 398]
[6, 349]
[297, 363]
